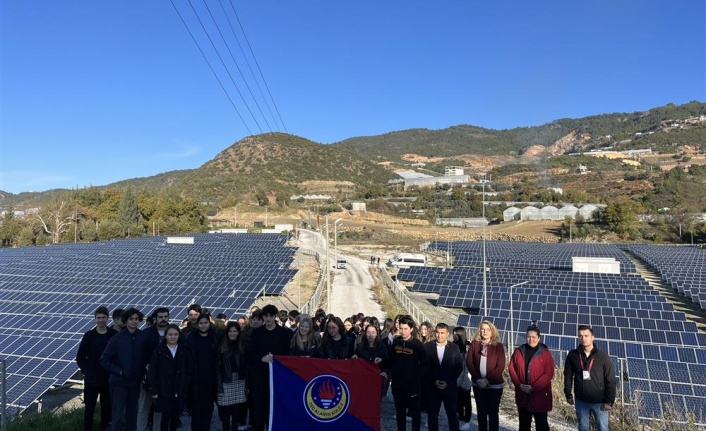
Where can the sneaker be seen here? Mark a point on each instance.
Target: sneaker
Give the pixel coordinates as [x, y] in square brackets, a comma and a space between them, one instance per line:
[465, 426]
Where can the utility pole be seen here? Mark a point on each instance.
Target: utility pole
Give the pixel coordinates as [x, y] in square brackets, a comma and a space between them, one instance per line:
[328, 272]
[510, 340]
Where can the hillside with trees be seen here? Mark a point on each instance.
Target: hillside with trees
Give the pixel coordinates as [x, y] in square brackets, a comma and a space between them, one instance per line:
[595, 131]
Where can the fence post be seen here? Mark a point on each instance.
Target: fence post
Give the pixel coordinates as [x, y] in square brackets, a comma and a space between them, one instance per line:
[3, 408]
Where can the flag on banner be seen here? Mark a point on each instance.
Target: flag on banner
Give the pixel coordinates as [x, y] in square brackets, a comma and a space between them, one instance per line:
[320, 394]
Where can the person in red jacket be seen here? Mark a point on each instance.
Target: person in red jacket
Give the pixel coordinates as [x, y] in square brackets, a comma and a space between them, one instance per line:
[486, 363]
[532, 369]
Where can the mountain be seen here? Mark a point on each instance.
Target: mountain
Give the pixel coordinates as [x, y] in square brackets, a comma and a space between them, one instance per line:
[279, 163]
[618, 130]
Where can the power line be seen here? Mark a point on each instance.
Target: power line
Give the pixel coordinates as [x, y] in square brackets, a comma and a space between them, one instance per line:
[224, 66]
[258, 66]
[236, 64]
[211, 67]
[247, 62]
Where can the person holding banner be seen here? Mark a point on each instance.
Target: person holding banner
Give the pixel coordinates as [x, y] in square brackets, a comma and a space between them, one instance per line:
[372, 349]
[408, 362]
[265, 342]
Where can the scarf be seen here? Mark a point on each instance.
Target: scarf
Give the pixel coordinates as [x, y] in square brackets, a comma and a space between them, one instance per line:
[484, 349]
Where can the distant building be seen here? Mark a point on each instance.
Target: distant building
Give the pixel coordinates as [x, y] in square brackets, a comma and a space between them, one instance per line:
[462, 222]
[582, 169]
[450, 171]
[311, 197]
[587, 211]
[530, 213]
[568, 211]
[358, 206]
[549, 212]
[511, 214]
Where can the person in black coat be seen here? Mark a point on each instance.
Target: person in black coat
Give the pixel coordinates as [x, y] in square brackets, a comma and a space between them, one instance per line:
[445, 365]
[204, 344]
[125, 357]
[170, 372]
[372, 349]
[95, 377]
[335, 343]
[265, 342]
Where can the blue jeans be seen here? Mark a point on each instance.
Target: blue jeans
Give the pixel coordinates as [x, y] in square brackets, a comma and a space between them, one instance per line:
[583, 415]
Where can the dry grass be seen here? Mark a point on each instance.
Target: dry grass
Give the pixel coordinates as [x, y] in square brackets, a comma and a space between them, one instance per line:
[384, 297]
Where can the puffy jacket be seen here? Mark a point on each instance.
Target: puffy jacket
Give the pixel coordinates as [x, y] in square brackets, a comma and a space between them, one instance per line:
[539, 376]
[125, 357]
[601, 386]
[169, 376]
[88, 356]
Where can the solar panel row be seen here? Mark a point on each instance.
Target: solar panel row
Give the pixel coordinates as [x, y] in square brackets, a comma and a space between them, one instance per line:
[48, 294]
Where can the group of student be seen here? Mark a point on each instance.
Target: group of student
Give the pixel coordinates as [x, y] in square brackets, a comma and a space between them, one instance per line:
[165, 370]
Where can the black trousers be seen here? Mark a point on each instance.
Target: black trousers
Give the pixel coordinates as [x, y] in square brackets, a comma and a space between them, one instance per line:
[233, 416]
[488, 404]
[260, 402]
[406, 396]
[123, 399]
[540, 420]
[90, 399]
[170, 419]
[449, 398]
[201, 413]
[465, 408]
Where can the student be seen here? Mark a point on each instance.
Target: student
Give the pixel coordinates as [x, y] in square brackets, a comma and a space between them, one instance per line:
[155, 334]
[486, 363]
[118, 324]
[125, 357]
[408, 363]
[305, 341]
[169, 376]
[335, 344]
[95, 377]
[531, 370]
[266, 341]
[445, 365]
[373, 349]
[231, 400]
[463, 383]
[204, 344]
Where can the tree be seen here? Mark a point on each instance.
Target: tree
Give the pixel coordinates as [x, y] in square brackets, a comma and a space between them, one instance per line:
[56, 219]
[128, 216]
[622, 218]
[9, 229]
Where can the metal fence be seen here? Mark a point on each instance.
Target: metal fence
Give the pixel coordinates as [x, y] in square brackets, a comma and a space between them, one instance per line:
[402, 297]
[316, 298]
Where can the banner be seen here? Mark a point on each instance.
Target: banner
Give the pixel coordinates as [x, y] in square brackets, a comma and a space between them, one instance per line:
[324, 394]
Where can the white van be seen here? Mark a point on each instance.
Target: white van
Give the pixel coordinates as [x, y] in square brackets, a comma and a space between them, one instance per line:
[405, 260]
[341, 263]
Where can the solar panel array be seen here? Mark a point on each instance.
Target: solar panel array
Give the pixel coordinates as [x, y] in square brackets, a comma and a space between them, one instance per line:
[48, 294]
[535, 255]
[682, 268]
[660, 353]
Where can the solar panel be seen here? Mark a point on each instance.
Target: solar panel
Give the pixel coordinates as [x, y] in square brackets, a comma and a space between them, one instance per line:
[64, 283]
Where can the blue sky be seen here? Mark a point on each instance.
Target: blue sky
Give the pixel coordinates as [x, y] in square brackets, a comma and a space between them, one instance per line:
[99, 91]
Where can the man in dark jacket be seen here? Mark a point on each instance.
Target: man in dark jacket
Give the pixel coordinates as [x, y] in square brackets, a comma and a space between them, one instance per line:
[265, 342]
[592, 375]
[155, 334]
[408, 363]
[95, 377]
[125, 357]
[445, 365]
